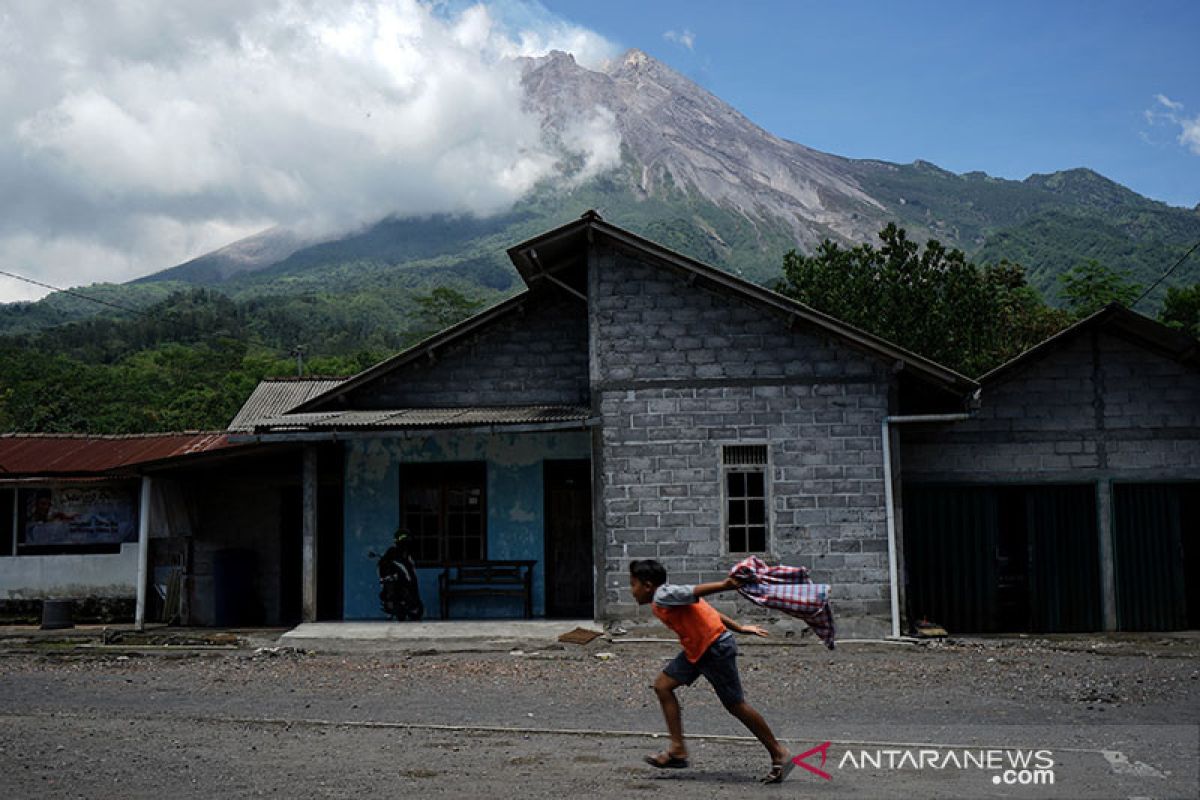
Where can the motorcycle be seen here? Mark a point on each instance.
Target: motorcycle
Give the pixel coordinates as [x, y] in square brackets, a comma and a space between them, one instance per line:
[399, 592]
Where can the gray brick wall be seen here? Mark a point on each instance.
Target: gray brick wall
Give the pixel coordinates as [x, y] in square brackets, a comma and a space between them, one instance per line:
[652, 325]
[538, 356]
[1122, 412]
[739, 375]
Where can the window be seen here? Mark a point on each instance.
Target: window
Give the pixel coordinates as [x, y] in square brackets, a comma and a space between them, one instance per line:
[443, 507]
[745, 489]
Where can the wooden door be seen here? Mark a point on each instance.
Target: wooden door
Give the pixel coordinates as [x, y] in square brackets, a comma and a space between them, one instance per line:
[568, 515]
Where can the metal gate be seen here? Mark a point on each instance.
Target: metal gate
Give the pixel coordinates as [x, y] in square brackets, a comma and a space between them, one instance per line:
[1150, 529]
[989, 559]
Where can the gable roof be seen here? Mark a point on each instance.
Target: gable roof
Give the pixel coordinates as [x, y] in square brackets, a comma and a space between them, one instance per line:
[1117, 320]
[540, 259]
[422, 349]
[276, 396]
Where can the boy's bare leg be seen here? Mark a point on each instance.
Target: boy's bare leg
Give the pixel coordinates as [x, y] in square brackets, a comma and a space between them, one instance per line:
[665, 688]
[753, 720]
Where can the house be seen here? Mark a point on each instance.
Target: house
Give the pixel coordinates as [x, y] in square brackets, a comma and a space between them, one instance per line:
[75, 516]
[630, 402]
[634, 403]
[1071, 500]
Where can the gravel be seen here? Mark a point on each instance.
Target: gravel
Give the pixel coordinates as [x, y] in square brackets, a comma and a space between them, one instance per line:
[97, 722]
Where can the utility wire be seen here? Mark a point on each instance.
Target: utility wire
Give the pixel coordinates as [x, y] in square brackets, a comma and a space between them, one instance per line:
[249, 335]
[1163, 277]
[74, 293]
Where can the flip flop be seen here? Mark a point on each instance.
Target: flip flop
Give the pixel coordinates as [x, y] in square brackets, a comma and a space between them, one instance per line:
[672, 762]
[779, 772]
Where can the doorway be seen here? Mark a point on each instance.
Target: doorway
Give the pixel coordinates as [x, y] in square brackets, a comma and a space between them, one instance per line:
[568, 516]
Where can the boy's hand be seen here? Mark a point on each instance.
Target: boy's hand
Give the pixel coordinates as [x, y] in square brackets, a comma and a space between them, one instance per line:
[755, 630]
[733, 582]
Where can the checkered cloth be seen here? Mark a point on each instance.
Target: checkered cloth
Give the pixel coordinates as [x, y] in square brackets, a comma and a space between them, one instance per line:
[788, 589]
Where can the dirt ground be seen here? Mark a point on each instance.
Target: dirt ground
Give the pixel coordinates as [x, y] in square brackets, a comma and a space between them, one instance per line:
[1120, 716]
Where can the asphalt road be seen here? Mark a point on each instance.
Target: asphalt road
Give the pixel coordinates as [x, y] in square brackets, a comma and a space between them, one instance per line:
[1115, 718]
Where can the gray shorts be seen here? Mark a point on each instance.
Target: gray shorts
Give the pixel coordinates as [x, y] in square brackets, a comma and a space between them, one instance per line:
[718, 665]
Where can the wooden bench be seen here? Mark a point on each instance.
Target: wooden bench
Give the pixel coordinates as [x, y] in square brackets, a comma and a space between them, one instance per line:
[486, 579]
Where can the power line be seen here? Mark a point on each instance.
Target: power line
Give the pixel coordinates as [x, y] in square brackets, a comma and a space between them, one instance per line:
[249, 336]
[1165, 274]
[74, 293]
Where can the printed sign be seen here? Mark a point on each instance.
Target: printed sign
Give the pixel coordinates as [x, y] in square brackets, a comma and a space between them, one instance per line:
[84, 515]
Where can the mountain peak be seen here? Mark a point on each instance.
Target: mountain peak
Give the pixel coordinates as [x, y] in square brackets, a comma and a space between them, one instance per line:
[634, 58]
[559, 55]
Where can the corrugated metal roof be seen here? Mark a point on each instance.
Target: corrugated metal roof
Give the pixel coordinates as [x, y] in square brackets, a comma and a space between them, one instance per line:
[77, 454]
[275, 396]
[424, 418]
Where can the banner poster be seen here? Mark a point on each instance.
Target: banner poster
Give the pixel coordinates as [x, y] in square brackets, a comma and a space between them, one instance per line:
[79, 515]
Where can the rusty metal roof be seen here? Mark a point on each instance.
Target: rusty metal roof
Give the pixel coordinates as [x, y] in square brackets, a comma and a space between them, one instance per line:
[416, 418]
[275, 396]
[26, 454]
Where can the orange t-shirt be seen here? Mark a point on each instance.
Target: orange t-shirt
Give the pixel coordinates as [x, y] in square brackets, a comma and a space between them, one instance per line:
[697, 624]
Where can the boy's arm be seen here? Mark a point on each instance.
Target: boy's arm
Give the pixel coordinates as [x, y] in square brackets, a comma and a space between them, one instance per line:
[736, 627]
[702, 589]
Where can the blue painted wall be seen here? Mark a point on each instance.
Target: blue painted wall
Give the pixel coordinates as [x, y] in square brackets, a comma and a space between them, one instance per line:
[515, 525]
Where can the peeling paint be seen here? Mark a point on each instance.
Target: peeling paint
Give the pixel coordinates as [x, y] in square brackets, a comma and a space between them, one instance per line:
[519, 513]
[515, 527]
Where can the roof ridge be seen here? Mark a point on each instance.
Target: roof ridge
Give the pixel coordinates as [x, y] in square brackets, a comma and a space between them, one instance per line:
[106, 436]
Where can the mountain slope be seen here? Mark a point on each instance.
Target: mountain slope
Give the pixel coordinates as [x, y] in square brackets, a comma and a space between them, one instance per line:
[701, 178]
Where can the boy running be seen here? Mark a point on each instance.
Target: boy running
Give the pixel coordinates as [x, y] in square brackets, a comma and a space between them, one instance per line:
[709, 649]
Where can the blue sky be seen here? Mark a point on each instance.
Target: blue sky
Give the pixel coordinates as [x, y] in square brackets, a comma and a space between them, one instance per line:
[138, 134]
[1010, 88]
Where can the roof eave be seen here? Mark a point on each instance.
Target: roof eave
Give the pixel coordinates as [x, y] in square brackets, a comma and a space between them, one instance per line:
[591, 223]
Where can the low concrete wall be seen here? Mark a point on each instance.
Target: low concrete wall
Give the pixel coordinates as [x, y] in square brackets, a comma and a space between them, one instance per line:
[74, 576]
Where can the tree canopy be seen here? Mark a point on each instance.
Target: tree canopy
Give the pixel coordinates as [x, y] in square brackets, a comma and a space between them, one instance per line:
[1181, 309]
[930, 300]
[1088, 287]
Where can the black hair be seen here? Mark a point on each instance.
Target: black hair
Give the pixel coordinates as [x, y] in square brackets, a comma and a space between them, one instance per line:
[647, 569]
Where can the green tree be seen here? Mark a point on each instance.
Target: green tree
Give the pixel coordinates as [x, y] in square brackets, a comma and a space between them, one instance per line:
[1088, 287]
[1181, 309]
[932, 301]
[440, 309]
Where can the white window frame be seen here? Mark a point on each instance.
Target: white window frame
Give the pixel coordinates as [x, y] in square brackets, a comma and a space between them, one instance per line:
[767, 469]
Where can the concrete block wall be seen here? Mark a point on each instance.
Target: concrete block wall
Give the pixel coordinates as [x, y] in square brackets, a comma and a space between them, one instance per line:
[1100, 407]
[679, 371]
[535, 356]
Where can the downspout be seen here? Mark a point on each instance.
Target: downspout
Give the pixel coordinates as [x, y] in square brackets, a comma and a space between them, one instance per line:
[889, 501]
[139, 616]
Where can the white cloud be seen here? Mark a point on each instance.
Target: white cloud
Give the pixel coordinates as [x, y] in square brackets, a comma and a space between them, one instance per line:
[683, 37]
[1173, 117]
[136, 134]
[1189, 134]
[1168, 102]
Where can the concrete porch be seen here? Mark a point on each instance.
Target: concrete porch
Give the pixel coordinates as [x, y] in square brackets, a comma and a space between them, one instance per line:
[443, 636]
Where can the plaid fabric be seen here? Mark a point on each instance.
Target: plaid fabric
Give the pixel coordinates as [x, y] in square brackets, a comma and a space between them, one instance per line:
[790, 590]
